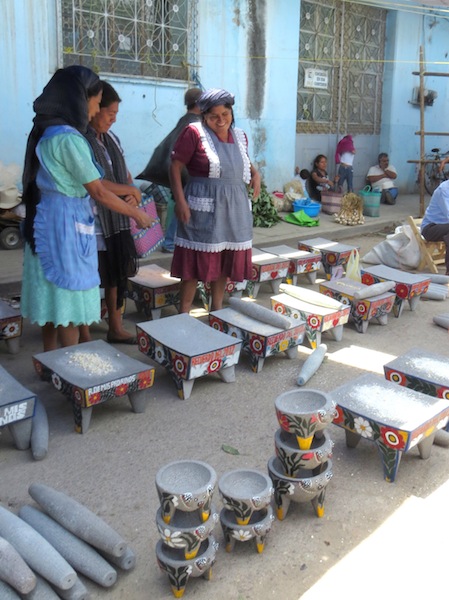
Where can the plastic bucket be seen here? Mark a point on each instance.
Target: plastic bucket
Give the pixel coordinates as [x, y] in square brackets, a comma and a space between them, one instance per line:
[371, 202]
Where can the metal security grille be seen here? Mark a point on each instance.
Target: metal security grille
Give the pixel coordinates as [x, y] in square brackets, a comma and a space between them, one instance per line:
[341, 60]
[152, 38]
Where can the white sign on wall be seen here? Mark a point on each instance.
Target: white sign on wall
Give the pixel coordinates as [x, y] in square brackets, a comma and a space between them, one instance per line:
[316, 78]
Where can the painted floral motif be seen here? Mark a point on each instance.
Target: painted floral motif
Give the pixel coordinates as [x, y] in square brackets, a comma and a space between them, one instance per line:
[402, 290]
[147, 295]
[367, 279]
[180, 365]
[11, 330]
[331, 258]
[443, 393]
[313, 321]
[78, 396]
[56, 380]
[280, 308]
[145, 380]
[121, 390]
[255, 273]
[283, 345]
[143, 341]
[94, 398]
[302, 427]
[362, 308]
[256, 344]
[274, 274]
[363, 427]
[393, 437]
[215, 365]
[396, 377]
[241, 535]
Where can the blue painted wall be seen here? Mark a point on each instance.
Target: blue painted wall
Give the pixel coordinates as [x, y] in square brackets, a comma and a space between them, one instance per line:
[247, 46]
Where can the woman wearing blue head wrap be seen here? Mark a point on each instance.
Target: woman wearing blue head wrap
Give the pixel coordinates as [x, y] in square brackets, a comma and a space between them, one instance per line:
[214, 236]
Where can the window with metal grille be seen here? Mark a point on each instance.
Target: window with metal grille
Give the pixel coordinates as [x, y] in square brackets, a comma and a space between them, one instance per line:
[149, 38]
[341, 60]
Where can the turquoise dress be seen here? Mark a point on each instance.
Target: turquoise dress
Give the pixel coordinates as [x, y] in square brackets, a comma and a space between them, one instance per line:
[67, 162]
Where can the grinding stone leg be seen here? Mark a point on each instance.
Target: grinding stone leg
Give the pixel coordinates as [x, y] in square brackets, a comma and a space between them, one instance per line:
[256, 363]
[413, 302]
[442, 437]
[86, 415]
[294, 279]
[260, 543]
[425, 446]
[316, 342]
[21, 433]
[390, 461]
[311, 277]
[398, 307]
[139, 400]
[352, 438]
[383, 319]
[140, 306]
[318, 503]
[337, 333]
[227, 374]
[13, 345]
[156, 313]
[186, 389]
[208, 574]
[253, 293]
[292, 352]
[362, 326]
[229, 541]
[275, 285]
[282, 507]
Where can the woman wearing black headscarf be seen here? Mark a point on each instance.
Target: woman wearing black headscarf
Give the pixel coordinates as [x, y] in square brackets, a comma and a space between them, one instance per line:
[60, 276]
[215, 226]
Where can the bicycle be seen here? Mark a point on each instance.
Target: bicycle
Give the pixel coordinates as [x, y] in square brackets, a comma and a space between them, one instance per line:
[432, 174]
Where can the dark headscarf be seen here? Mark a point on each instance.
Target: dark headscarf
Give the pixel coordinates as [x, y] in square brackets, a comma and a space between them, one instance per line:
[62, 102]
[214, 97]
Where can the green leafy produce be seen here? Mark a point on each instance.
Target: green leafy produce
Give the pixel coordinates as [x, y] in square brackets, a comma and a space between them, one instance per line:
[264, 211]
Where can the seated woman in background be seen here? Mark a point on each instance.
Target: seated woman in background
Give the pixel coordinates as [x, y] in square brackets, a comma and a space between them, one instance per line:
[60, 273]
[117, 258]
[319, 179]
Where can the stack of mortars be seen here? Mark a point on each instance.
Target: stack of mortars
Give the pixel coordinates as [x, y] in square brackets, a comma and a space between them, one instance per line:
[42, 551]
[351, 211]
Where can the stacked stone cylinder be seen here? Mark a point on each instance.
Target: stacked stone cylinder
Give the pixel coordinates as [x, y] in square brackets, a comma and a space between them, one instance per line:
[49, 547]
[185, 520]
[302, 466]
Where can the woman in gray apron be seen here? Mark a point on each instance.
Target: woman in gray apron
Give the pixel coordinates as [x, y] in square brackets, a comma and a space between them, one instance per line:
[214, 236]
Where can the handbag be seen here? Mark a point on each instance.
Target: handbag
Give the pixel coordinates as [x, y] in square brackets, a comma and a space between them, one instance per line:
[148, 239]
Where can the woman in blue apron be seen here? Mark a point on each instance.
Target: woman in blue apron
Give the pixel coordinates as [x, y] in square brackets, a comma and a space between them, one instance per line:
[215, 225]
[60, 288]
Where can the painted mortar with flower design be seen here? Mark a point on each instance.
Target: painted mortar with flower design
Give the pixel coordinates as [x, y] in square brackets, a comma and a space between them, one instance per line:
[308, 485]
[409, 286]
[244, 491]
[257, 528]
[304, 413]
[179, 570]
[269, 268]
[152, 289]
[17, 406]
[301, 262]
[186, 485]
[184, 531]
[394, 417]
[293, 460]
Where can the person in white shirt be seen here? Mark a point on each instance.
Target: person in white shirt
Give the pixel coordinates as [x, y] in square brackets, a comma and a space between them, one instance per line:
[435, 223]
[382, 177]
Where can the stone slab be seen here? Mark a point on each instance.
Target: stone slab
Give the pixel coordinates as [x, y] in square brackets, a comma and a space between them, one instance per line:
[153, 288]
[362, 311]
[188, 349]
[394, 417]
[409, 286]
[260, 340]
[91, 373]
[302, 262]
[318, 319]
